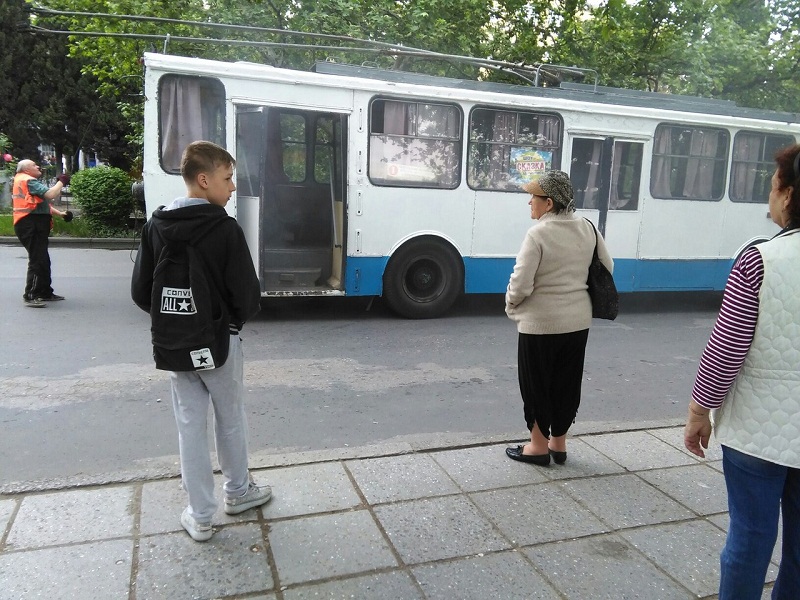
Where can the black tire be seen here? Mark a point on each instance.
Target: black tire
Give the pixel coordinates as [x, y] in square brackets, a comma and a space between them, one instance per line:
[423, 279]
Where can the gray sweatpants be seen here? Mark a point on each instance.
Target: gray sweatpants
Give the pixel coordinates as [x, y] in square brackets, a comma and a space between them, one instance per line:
[191, 392]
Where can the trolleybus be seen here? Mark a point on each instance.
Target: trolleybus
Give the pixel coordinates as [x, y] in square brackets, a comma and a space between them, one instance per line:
[356, 181]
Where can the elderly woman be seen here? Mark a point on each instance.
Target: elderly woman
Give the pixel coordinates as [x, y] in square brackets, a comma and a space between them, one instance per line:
[548, 299]
[749, 375]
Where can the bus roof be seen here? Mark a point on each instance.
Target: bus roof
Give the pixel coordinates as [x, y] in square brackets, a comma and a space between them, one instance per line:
[579, 92]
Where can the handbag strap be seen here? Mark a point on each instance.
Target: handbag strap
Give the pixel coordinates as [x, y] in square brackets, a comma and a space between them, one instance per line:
[594, 256]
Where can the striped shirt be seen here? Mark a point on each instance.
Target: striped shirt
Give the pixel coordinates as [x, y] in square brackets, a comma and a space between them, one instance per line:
[733, 332]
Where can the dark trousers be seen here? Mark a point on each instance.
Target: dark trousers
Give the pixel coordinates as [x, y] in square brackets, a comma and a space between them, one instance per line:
[34, 233]
[550, 375]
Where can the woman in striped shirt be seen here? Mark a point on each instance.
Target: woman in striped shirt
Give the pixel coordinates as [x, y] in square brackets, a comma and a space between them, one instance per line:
[749, 376]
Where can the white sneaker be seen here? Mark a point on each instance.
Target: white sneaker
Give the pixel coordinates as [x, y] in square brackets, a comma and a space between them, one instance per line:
[254, 496]
[200, 532]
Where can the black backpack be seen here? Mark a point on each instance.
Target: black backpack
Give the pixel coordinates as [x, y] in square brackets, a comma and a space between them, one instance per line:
[188, 334]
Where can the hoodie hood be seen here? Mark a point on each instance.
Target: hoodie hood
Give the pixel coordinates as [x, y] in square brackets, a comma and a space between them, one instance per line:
[187, 223]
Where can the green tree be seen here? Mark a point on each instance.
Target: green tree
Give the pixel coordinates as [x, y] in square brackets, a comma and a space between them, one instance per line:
[50, 99]
[744, 50]
[16, 93]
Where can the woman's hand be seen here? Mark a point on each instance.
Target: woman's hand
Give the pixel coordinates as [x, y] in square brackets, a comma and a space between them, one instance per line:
[697, 431]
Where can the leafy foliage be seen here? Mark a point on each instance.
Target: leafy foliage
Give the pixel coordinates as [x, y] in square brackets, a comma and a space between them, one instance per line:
[104, 195]
[83, 92]
[52, 98]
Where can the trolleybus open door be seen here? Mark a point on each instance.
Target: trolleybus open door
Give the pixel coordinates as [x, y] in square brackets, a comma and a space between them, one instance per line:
[290, 180]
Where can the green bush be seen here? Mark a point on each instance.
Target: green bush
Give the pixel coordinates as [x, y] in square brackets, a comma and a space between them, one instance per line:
[104, 196]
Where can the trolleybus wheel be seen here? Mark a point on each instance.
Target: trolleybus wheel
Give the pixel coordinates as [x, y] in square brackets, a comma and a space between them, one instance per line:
[423, 279]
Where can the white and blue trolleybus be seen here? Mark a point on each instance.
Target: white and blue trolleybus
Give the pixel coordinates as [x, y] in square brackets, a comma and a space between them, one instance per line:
[361, 181]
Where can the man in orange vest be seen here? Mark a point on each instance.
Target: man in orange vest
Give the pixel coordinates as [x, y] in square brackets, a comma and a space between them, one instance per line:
[32, 224]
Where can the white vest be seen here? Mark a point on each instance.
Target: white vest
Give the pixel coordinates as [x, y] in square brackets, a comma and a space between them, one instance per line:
[761, 413]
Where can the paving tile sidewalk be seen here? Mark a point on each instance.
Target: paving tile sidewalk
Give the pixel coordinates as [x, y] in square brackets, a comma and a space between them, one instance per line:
[631, 515]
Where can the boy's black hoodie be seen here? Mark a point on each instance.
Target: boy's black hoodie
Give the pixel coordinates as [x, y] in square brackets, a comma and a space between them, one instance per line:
[222, 247]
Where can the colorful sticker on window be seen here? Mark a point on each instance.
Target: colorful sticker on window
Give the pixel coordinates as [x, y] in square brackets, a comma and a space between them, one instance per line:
[528, 164]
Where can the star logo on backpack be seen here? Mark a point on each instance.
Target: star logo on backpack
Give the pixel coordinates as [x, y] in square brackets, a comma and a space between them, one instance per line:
[177, 301]
[202, 359]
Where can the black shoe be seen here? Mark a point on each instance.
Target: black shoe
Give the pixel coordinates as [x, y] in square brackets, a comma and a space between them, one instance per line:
[558, 457]
[52, 298]
[537, 459]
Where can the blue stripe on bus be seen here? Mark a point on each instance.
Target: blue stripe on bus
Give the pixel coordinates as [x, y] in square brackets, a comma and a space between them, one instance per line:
[490, 275]
[633, 275]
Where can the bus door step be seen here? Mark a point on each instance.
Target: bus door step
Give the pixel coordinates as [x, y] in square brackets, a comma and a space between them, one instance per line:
[291, 278]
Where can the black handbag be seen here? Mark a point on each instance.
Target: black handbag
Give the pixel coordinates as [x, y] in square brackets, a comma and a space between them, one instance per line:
[602, 290]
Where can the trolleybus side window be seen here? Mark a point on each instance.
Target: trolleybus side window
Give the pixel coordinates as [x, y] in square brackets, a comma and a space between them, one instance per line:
[752, 166]
[689, 163]
[587, 174]
[190, 108]
[415, 144]
[506, 147]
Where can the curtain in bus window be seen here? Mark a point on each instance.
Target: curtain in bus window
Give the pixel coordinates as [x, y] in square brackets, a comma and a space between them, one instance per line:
[614, 201]
[592, 191]
[393, 154]
[190, 111]
[662, 164]
[701, 164]
[752, 165]
[503, 132]
[585, 172]
[626, 173]
[746, 155]
[398, 118]
[549, 133]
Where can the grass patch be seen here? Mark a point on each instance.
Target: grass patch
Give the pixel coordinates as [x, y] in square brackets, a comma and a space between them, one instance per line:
[76, 228]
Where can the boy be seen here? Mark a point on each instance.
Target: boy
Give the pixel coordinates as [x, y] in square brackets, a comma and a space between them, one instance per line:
[207, 170]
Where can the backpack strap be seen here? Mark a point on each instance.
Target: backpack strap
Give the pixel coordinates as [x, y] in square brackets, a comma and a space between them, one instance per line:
[211, 281]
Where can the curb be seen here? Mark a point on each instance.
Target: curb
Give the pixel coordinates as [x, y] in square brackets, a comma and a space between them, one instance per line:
[168, 467]
[74, 242]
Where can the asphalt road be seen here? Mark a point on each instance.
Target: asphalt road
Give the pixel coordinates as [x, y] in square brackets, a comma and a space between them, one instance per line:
[79, 395]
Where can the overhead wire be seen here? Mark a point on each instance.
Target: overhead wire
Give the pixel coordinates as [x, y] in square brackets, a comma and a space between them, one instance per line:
[528, 73]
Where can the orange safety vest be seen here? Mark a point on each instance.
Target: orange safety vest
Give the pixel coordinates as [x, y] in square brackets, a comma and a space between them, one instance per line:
[24, 203]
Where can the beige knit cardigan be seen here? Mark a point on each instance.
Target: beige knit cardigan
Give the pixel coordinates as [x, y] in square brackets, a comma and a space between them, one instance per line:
[547, 290]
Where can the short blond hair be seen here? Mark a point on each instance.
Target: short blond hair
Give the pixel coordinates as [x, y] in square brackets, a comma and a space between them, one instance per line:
[203, 157]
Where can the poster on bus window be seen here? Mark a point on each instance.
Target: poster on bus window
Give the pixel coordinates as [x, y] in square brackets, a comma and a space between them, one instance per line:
[528, 164]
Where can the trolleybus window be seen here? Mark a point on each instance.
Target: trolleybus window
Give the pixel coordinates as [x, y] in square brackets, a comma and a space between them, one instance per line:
[415, 144]
[249, 143]
[190, 108]
[293, 147]
[752, 166]
[626, 175]
[586, 172]
[506, 148]
[689, 162]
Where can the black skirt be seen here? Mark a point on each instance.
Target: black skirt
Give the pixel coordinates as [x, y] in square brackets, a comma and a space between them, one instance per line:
[550, 375]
